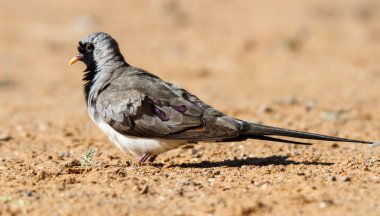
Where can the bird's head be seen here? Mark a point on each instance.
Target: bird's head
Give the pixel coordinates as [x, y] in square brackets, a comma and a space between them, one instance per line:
[98, 49]
[101, 54]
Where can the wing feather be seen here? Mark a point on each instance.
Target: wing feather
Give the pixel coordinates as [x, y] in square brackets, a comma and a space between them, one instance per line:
[140, 105]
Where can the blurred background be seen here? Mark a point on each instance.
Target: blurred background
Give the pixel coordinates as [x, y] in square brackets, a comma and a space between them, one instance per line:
[310, 65]
[235, 55]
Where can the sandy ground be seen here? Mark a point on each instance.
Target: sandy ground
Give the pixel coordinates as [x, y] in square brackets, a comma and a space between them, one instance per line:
[307, 65]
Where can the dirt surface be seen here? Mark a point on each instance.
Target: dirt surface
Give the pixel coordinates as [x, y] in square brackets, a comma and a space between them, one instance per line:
[307, 65]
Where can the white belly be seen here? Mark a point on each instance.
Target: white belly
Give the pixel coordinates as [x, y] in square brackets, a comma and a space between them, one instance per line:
[135, 145]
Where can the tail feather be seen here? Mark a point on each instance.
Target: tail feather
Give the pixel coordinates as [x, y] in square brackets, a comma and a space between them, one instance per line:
[252, 129]
[267, 138]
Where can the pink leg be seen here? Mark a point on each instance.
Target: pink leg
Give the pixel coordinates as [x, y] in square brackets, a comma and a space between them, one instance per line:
[147, 157]
[144, 158]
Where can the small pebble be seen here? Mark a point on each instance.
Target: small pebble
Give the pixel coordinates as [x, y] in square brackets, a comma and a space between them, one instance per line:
[264, 109]
[211, 180]
[217, 172]
[345, 179]
[64, 154]
[310, 105]
[128, 163]
[322, 204]
[28, 193]
[41, 175]
[4, 136]
[144, 190]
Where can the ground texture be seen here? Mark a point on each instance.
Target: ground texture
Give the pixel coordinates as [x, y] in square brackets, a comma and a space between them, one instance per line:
[306, 65]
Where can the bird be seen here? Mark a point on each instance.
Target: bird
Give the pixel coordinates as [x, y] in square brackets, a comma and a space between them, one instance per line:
[146, 116]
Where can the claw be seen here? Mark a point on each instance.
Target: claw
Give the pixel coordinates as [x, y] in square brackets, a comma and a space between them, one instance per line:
[147, 157]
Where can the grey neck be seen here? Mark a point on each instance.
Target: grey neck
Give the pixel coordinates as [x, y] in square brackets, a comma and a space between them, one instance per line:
[101, 75]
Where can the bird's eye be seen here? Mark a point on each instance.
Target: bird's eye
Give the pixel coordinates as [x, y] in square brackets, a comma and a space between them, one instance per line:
[89, 47]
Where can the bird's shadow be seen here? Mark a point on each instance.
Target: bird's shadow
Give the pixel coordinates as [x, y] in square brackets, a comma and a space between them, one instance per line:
[254, 161]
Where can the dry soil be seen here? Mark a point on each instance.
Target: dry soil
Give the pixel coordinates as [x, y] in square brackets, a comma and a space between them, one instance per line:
[307, 65]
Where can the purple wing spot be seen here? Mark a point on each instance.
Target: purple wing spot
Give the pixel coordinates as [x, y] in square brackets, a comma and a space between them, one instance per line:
[160, 114]
[181, 109]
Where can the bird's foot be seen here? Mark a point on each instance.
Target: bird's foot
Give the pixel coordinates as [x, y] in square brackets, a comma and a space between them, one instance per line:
[144, 158]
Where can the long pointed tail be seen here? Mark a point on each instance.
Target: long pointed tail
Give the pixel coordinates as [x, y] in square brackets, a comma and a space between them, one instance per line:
[251, 130]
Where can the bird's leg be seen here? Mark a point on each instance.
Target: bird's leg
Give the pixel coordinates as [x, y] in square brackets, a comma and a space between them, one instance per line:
[144, 158]
[152, 158]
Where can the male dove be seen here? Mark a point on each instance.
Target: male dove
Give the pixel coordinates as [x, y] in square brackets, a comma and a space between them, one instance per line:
[147, 116]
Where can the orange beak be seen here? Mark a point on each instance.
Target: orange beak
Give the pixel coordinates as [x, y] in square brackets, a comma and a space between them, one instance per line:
[78, 57]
